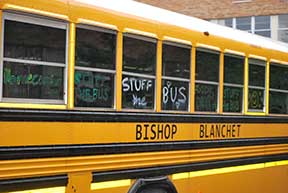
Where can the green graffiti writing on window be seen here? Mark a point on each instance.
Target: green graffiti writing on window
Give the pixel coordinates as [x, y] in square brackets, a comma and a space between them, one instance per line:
[31, 79]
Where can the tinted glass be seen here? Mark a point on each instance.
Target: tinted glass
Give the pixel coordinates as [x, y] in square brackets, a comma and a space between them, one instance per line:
[256, 99]
[176, 61]
[232, 101]
[137, 93]
[32, 81]
[175, 95]
[229, 22]
[206, 97]
[283, 35]
[93, 89]
[95, 49]
[264, 33]
[283, 21]
[278, 77]
[278, 103]
[256, 75]
[34, 42]
[262, 22]
[233, 70]
[207, 66]
[139, 56]
[243, 23]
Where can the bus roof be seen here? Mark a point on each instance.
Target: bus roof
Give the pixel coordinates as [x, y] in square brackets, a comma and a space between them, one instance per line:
[168, 17]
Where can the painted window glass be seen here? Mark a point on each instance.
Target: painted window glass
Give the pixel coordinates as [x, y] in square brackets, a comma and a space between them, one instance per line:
[94, 67]
[233, 83]
[256, 85]
[138, 72]
[207, 80]
[278, 100]
[175, 76]
[34, 59]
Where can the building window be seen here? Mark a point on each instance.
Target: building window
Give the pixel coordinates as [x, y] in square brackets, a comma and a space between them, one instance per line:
[94, 67]
[256, 85]
[263, 26]
[207, 80]
[260, 25]
[233, 83]
[34, 61]
[175, 76]
[283, 28]
[278, 102]
[139, 72]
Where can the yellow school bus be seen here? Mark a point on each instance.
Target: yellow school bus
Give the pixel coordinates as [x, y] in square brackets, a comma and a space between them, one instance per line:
[118, 96]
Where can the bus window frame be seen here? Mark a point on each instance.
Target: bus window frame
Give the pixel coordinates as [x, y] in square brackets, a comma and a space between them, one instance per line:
[280, 64]
[180, 45]
[150, 39]
[264, 60]
[90, 69]
[40, 21]
[212, 50]
[236, 55]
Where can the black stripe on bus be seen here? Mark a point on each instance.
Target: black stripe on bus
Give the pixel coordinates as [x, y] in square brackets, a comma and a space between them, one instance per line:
[22, 184]
[91, 116]
[28, 152]
[172, 169]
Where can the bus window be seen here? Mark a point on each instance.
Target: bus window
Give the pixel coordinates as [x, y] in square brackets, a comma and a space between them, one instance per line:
[233, 83]
[34, 59]
[278, 102]
[175, 77]
[256, 85]
[95, 57]
[138, 76]
[207, 80]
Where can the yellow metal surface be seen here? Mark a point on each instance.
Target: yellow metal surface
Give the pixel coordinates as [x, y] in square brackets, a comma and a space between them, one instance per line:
[246, 81]
[110, 184]
[36, 167]
[44, 190]
[192, 79]
[79, 182]
[119, 62]
[176, 40]
[71, 62]
[96, 23]
[254, 178]
[159, 76]
[53, 133]
[31, 106]
[267, 86]
[221, 82]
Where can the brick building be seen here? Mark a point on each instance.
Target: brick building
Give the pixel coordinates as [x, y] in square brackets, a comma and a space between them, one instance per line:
[268, 18]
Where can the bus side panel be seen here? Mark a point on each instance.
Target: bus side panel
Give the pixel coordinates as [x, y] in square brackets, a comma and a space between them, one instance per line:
[266, 180]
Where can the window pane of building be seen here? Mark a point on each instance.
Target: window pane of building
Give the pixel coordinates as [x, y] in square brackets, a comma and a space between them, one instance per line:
[206, 97]
[207, 66]
[176, 61]
[29, 81]
[94, 89]
[137, 93]
[95, 49]
[283, 21]
[278, 102]
[233, 69]
[34, 42]
[232, 101]
[262, 22]
[139, 56]
[243, 23]
[175, 95]
[228, 22]
[283, 35]
[264, 33]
